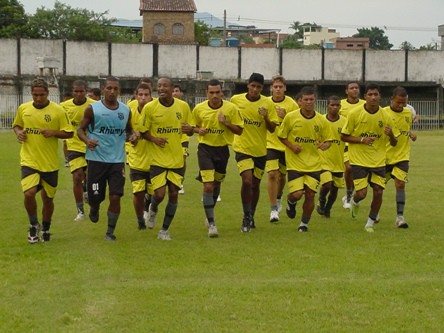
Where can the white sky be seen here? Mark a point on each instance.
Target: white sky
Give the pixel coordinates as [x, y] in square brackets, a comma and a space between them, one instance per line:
[403, 20]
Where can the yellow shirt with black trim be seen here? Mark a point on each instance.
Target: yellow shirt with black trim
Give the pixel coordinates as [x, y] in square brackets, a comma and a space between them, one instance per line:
[138, 156]
[308, 133]
[288, 104]
[361, 123]
[217, 134]
[165, 122]
[75, 114]
[38, 152]
[346, 106]
[333, 157]
[253, 140]
[403, 121]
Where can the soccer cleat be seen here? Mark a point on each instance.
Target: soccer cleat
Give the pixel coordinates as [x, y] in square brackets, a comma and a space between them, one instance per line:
[252, 224]
[354, 209]
[320, 210]
[219, 198]
[66, 163]
[80, 217]
[303, 228]
[182, 190]
[33, 233]
[378, 218]
[46, 236]
[163, 235]
[212, 231]
[401, 223]
[291, 210]
[94, 215]
[346, 203]
[369, 229]
[274, 216]
[110, 237]
[141, 226]
[327, 213]
[151, 218]
[245, 227]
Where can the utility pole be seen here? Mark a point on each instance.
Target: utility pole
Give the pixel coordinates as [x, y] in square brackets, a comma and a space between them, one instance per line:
[224, 38]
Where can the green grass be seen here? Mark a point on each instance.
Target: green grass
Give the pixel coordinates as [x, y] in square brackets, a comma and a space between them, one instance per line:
[336, 278]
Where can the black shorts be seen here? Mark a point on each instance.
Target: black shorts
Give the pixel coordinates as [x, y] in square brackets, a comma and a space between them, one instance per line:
[293, 174]
[403, 165]
[259, 162]
[360, 172]
[139, 175]
[51, 178]
[213, 158]
[99, 175]
[273, 154]
[72, 155]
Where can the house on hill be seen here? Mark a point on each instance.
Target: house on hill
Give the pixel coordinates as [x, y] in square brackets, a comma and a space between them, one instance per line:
[168, 21]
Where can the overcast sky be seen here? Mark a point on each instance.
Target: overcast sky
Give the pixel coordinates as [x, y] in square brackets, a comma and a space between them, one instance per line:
[413, 21]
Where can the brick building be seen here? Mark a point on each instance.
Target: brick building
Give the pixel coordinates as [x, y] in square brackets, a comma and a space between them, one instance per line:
[168, 21]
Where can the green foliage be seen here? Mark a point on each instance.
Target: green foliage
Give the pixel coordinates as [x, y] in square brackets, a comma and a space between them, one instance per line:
[65, 22]
[406, 46]
[292, 42]
[377, 38]
[429, 47]
[12, 18]
[202, 33]
[335, 278]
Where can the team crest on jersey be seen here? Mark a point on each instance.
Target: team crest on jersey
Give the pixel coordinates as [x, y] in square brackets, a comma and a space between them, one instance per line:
[47, 118]
[120, 115]
[179, 115]
[339, 130]
[316, 128]
[407, 120]
[380, 124]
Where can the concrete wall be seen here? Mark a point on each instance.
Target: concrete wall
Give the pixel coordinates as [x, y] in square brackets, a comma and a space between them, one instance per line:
[304, 65]
[8, 57]
[128, 59]
[87, 59]
[222, 64]
[93, 59]
[344, 65]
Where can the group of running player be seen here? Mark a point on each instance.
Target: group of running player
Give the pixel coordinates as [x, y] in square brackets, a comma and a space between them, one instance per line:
[356, 140]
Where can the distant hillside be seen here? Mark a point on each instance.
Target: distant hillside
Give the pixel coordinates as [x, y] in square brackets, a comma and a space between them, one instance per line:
[208, 18]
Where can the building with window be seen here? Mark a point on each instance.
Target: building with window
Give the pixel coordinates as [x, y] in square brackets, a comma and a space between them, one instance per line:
[168, 21]
[315, 34]
[352, 43]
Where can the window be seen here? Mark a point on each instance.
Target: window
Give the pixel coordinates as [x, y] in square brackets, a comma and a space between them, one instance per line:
[159, 29]
[178, 29]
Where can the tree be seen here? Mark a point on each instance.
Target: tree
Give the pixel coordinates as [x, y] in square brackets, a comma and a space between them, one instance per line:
[377, 38]
[406, 46]
[299, 29]
[291, 42]
[65, 22]
[12, 18]
[429, 47]
[202, 33]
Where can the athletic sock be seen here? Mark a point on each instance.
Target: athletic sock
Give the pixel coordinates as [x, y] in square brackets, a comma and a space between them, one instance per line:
[216, 193]
[154, 204]
[170, 211]
[208, 204]
[80, 207]
[349, 193]
[112, 222]
[46, 225]
[400, 202]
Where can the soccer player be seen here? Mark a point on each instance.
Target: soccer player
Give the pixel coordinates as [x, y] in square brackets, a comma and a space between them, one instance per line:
[332, 176]
[304, 132]
[105, 127]
[398, 156]
[368, 130]
[275, 165]
[94, 93]
[74, 108]
[352, 101]
[259, 115]
[138, 159]
[178, 92]
[38, 125]
[164, 120]
[216, 121]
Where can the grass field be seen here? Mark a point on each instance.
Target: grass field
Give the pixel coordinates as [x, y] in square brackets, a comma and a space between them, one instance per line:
[335, 278]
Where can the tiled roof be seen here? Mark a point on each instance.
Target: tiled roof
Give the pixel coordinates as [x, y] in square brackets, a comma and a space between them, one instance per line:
[167, 6]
